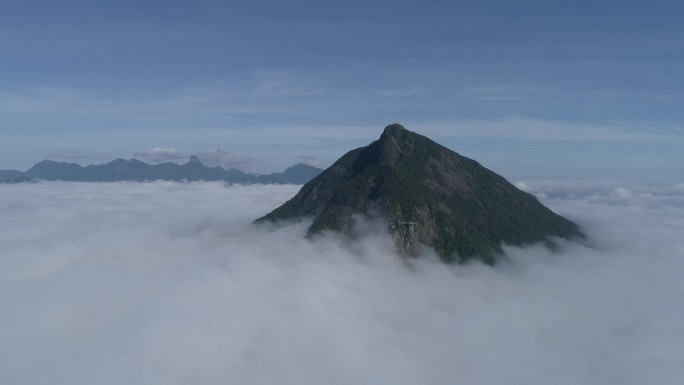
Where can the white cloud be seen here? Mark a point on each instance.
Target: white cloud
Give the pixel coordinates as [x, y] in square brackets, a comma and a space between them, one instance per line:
[167, 283]
[622, 192]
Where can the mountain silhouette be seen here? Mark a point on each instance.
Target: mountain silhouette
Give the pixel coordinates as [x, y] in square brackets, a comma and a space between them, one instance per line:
[426, 194]
[136, 170]
[10, 175]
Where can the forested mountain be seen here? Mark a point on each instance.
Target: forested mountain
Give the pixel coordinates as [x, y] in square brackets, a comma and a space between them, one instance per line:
[427, 195]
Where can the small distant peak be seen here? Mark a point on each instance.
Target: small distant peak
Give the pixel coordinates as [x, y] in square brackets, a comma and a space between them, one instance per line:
[195, 161]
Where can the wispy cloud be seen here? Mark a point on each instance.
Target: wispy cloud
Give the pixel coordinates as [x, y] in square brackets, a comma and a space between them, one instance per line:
[521, 128]
[219, 156]
[274, 84]
[310, 160]
[216, 109]
[402, 92]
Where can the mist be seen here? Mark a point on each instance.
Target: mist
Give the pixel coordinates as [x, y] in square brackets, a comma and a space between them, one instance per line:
[170, 283]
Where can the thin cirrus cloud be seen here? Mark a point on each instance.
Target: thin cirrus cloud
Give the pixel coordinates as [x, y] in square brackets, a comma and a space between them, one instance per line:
[539, 130]
[203, 109]
[169, 283]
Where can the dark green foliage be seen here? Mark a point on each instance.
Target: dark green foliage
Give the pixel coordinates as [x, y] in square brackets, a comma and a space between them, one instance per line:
[458, 206]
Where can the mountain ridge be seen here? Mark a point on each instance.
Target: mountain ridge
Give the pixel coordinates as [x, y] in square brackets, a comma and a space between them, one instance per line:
[136, 170]
[427, 195]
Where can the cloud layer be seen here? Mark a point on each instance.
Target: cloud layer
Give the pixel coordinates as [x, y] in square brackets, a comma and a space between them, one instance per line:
[166, 283]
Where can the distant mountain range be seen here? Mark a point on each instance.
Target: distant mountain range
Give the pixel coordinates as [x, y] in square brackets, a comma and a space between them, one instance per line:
[135, 170]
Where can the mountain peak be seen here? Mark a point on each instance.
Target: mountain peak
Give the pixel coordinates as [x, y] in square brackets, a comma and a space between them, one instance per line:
[395, 135]
[427, 195]
[194, 161]
[394, 129]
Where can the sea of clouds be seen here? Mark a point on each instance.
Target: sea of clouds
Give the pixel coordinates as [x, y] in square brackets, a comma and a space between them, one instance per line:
[170, 283]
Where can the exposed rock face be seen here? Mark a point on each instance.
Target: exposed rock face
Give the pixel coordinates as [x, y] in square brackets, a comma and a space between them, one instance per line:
[427, 195]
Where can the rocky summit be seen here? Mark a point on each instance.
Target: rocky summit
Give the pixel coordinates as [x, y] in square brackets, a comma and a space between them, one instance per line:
[428, 195]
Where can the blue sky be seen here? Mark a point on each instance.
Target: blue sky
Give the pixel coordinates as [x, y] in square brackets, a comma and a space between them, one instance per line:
[532, 89]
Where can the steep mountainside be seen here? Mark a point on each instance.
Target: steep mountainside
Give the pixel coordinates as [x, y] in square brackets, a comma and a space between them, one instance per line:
[427, 195]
